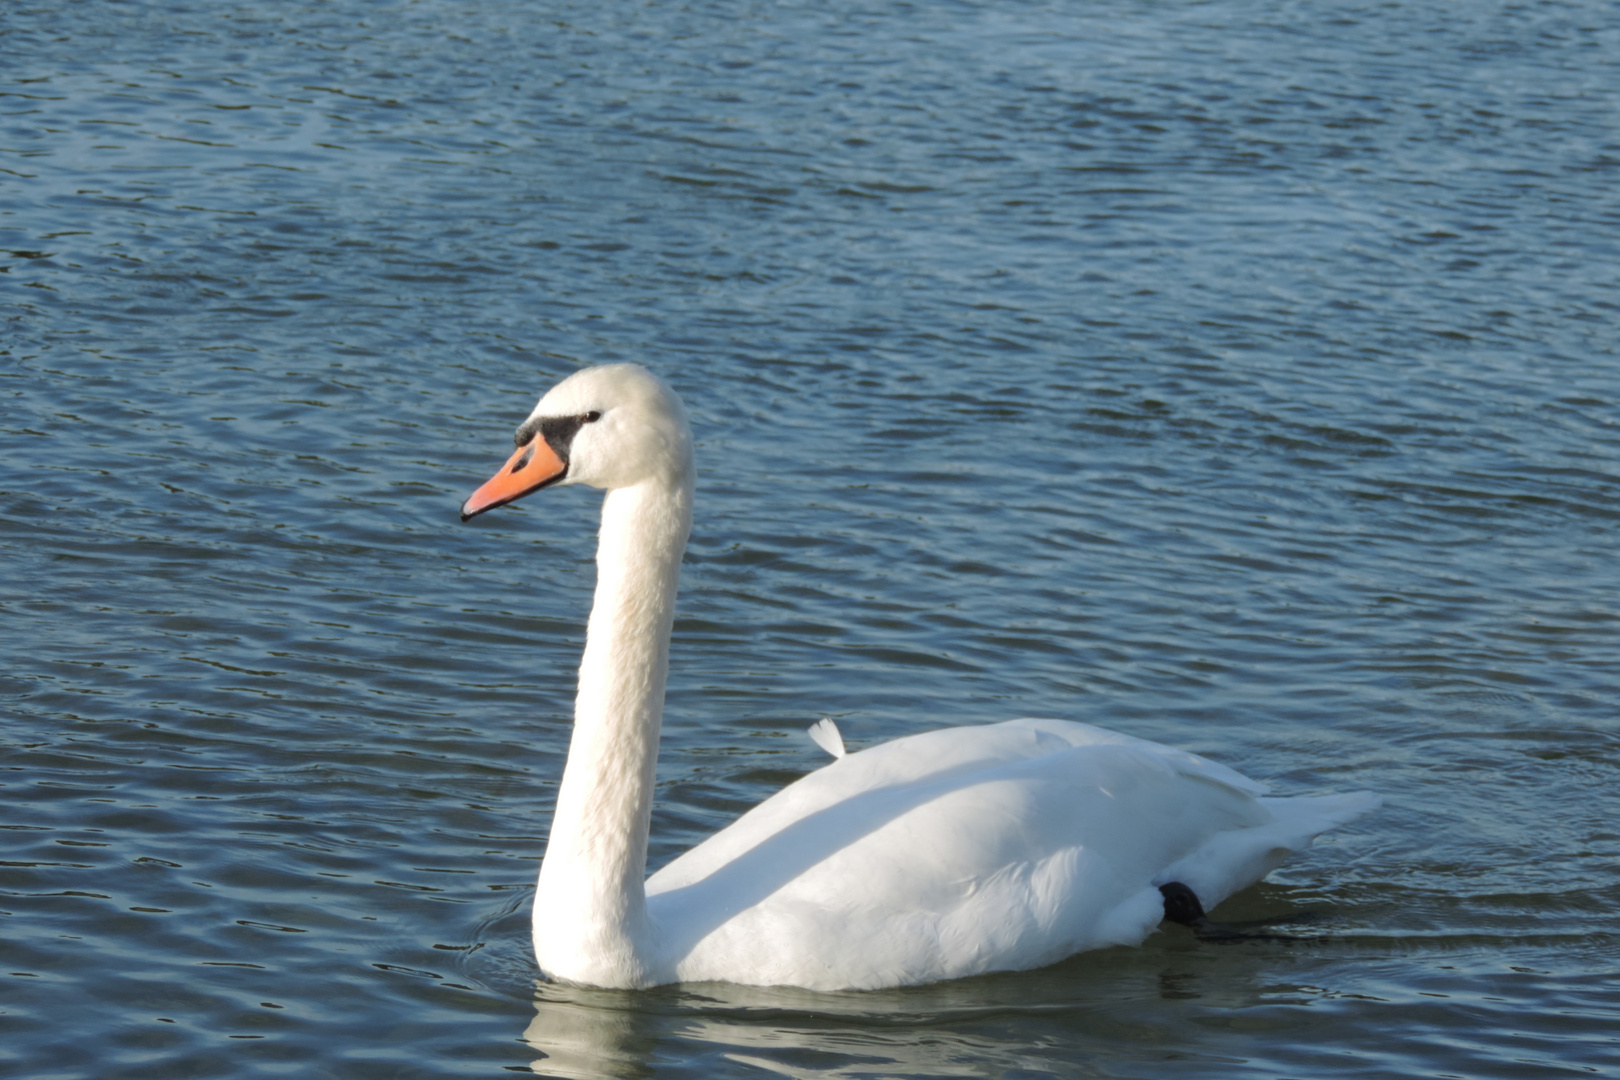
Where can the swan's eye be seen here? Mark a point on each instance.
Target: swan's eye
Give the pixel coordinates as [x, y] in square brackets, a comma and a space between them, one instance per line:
[591, 417]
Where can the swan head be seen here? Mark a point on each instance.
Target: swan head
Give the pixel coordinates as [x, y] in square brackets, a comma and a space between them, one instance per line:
[613, 426]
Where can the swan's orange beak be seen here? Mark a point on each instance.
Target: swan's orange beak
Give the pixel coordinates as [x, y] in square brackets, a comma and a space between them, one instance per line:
[534, 465]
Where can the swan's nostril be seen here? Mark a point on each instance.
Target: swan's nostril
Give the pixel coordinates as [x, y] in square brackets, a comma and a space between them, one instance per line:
[528, 456]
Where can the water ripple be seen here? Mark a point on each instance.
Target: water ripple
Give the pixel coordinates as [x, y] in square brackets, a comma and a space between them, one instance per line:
[1240, 378]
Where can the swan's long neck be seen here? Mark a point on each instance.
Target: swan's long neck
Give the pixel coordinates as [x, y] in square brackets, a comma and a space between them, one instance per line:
[590, 910]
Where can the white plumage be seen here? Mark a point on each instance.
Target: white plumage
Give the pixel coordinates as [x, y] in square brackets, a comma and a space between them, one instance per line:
[935, 856]
[825, 734]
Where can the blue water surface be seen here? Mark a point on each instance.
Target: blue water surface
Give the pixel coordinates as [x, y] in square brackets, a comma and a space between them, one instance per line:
[1241, 375]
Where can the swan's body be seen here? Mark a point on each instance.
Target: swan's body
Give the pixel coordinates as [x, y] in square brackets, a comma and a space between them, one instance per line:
[945, 854]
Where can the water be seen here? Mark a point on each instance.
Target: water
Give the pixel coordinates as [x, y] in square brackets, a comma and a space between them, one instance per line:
[1237, 375]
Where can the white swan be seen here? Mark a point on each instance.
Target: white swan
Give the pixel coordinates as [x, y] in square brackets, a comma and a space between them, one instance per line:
[935, 856]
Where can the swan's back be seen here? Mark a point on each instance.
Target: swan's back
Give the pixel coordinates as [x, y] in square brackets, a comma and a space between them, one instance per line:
[967, 850]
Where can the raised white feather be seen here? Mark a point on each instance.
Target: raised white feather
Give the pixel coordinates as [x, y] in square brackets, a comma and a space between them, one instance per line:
[939, 855]
[824, 733]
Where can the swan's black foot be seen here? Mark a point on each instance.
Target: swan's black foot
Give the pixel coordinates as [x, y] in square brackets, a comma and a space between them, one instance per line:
[1181, 904]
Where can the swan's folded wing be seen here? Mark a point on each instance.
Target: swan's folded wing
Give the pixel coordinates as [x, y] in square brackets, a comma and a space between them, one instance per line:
[1078, 734]
[928, 758]
[1000, 865]
[915, 759]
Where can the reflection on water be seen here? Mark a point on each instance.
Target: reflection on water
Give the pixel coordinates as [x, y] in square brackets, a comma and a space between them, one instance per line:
[584, 1034]
[1106, 1003]
[1176, 1005]
[599, 1035]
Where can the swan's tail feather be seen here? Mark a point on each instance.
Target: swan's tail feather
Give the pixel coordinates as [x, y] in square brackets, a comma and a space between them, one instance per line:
[1319, 813]
[825, 735]
[1235, 859]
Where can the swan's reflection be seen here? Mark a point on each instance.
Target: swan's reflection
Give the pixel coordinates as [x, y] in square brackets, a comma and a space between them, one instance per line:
[1100, 1007]
[607, 1035]
[584, 1034]
[1100, 1013]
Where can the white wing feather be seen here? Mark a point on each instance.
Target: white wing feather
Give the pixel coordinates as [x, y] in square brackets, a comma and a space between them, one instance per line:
[824, 733]
[966, 850]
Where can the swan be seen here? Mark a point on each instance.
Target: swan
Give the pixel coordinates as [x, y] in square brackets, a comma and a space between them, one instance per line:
[936, 856]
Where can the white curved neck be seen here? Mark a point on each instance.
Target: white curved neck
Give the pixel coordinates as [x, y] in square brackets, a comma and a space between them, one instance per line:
[590, 909]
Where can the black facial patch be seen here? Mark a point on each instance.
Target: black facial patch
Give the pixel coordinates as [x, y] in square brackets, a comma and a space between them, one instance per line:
[525, 432]
[558, 431]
